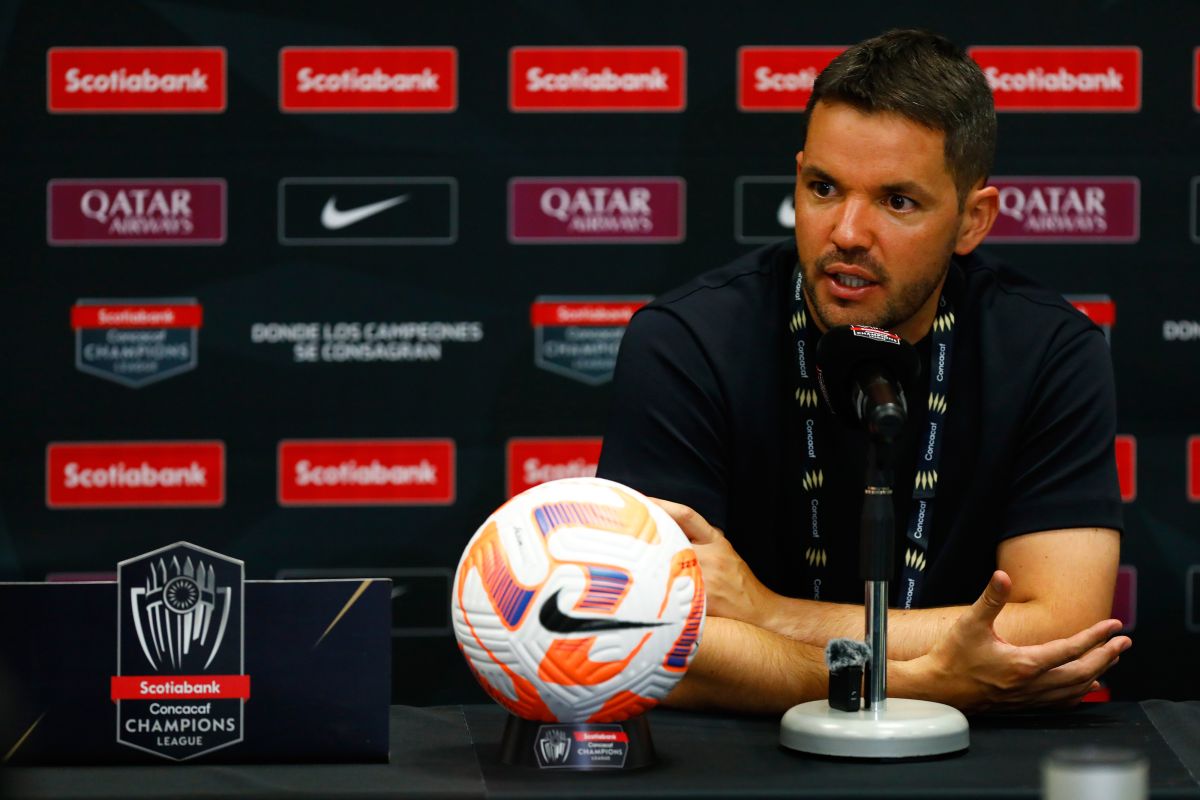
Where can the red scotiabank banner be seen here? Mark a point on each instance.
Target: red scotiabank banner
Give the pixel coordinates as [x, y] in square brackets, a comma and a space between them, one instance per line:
[603, 313]
[597, 79]
[373, 79]
[182, 80]
[179, 687]
[533, 461]
[779, 78]
[366, 472]
[1126, 447]
[1103, 79]
[1193, 469]
[143, 315]
[1101, 310]
[135, 474]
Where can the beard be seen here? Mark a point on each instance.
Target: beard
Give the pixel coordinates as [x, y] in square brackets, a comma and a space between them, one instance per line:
[901, 303]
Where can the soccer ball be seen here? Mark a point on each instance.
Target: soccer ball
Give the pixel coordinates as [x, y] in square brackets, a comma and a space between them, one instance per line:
[578, 600]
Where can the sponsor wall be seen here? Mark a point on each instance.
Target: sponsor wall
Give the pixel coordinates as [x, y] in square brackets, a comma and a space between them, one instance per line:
[320, 289]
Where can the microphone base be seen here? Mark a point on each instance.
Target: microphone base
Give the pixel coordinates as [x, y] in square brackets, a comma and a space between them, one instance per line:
[901, 728]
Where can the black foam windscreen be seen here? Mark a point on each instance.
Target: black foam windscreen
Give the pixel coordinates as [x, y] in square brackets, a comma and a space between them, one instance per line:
[844, 350]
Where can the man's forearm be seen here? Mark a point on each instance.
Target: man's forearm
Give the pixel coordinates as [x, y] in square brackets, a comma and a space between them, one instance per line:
[911, 632]
[740, 667]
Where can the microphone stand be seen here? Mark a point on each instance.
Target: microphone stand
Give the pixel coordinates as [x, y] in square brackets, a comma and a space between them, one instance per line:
[882, 729]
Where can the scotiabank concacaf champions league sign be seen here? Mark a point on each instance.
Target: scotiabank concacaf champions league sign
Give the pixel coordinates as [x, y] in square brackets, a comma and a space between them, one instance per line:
[180, 686]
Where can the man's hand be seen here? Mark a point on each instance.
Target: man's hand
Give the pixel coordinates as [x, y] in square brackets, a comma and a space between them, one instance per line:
[730, 586]
[974, 669]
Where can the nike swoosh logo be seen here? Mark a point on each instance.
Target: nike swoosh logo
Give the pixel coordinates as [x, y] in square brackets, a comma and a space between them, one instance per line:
[334, 219]
[557, 622]
[786, 215]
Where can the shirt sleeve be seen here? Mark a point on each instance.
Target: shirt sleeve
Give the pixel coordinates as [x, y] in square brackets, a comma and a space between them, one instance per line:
[668, 422]
[1064, 473]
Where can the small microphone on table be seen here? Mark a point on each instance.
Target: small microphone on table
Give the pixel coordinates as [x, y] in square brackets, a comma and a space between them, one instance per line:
[846, 659]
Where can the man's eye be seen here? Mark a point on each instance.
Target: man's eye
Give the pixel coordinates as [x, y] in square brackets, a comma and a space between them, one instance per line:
[821, 188]
[898, 202]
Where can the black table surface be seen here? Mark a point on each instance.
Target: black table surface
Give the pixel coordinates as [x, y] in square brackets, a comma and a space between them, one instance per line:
[452, 751]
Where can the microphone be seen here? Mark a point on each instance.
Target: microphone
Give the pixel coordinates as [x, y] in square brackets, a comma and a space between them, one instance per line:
[846, 659]
[862, 372]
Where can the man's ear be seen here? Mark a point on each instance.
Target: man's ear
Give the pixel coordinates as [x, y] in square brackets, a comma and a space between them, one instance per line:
[980, 208]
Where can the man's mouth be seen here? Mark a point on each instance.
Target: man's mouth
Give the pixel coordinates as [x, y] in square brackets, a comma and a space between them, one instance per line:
[850, 281]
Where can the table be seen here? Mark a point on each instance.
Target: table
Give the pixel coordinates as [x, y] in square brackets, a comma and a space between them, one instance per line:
[450, 752]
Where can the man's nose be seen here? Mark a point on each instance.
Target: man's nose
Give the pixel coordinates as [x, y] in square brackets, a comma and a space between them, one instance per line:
[852, 228]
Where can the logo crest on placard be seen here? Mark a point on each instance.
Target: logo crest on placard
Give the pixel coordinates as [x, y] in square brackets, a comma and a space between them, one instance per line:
[180, 686]
[578, 337]
[136, 342]
[554, 746]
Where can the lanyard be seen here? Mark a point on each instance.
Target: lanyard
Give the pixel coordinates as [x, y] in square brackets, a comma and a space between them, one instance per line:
[929, 451]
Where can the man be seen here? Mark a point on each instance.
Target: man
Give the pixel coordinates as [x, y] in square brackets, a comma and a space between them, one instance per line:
[1005, 477]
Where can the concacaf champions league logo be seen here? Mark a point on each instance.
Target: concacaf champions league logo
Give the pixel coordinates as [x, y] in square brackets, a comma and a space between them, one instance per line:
[180, 686]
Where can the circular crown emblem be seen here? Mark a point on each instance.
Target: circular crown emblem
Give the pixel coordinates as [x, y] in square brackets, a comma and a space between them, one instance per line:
[181, 594]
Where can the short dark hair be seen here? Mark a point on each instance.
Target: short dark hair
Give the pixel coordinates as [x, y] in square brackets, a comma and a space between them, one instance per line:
[925, 78]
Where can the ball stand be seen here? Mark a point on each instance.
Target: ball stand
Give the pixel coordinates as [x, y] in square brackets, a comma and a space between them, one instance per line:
[578, 746]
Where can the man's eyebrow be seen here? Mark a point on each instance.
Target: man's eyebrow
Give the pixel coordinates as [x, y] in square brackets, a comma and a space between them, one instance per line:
[906, 188]
[810, 171]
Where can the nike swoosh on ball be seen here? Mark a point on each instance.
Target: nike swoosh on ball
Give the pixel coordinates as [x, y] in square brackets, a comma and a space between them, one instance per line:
[554, 620]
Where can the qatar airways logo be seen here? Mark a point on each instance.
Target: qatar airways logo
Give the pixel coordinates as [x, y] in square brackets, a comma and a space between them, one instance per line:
[532, 461]
[180, 80]
[1055, 79]
[595, 210]
[155, 211]
[779, 78]
[135, 474]
[1067, 209]
[597, 79]
[368, 79]
[367, 472]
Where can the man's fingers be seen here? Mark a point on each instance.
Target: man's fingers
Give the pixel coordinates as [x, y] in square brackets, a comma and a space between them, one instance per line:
[1086, 668]
[694, 526]
[1062, 651]
[994, 596]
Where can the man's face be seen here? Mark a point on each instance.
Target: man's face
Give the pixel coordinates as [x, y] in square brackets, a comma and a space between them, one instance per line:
[877, 219]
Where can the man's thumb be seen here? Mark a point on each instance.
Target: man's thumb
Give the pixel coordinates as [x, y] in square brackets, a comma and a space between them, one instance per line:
[994, 596]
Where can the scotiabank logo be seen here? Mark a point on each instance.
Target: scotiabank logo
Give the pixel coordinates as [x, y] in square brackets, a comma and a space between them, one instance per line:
[779, 78]
[368, 79]
[1193, 469]
[597, 79]
[1046, 210]
[179, 80]
[183, 211]
[595, 210]
[1126, 448]
[368, 472]
[135, 474]
[1196, 79]
[534, 461]
[1063, 78]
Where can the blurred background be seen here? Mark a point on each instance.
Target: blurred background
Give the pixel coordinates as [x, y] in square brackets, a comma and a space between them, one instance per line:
[336, 326]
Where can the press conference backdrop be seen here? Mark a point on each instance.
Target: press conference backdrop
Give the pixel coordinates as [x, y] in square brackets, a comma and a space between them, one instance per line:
[318, 286]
